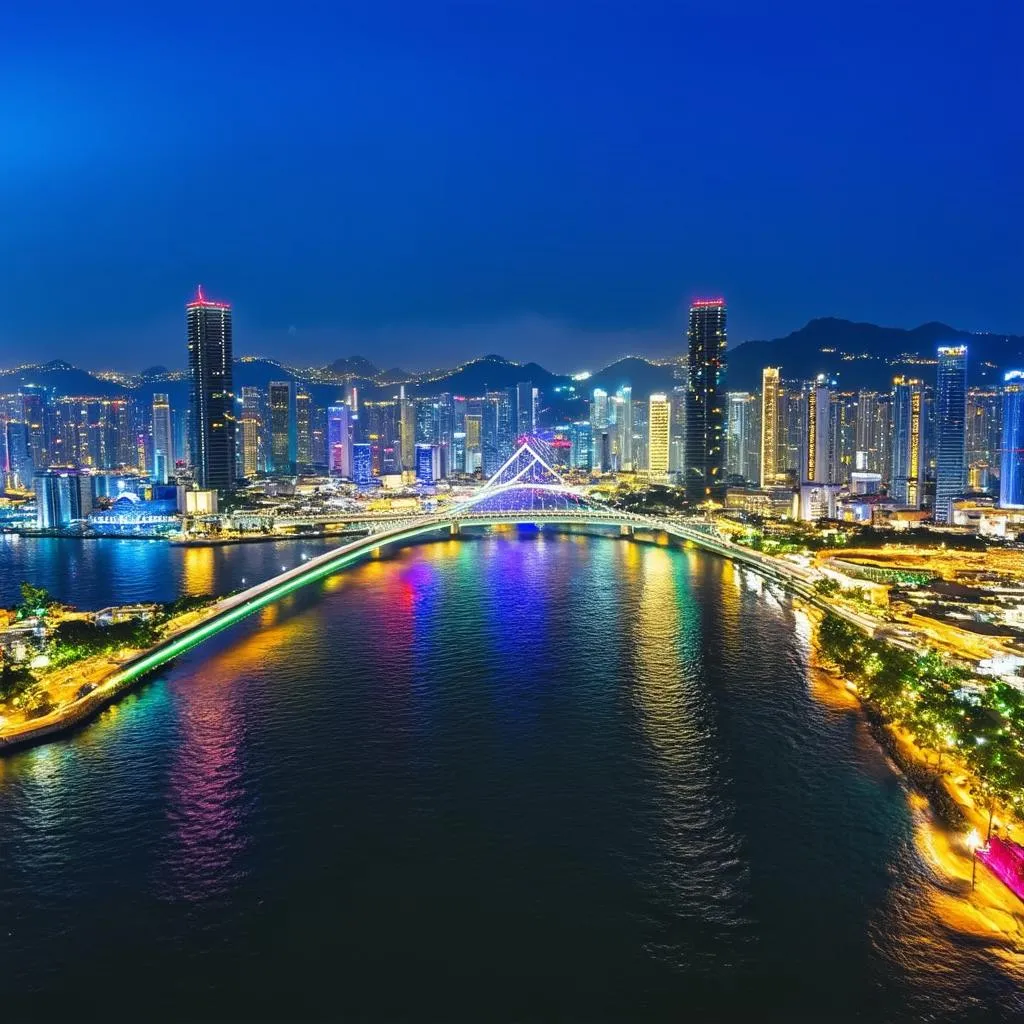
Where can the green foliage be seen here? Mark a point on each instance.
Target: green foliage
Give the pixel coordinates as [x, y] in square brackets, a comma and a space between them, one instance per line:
[826, 586]
[927, 695]
[34, 600]
[14, 680]
[79, 638]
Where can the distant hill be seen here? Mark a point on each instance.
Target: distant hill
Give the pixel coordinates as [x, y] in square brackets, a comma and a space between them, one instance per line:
[868, 356]
[61, 378]
[353, 366]
[858, 355]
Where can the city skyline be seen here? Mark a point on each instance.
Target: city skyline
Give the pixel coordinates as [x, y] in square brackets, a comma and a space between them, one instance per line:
[322, 254]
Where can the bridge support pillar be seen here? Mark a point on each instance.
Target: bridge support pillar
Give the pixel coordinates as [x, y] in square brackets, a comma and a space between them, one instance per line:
[454, 529]
[626, 530]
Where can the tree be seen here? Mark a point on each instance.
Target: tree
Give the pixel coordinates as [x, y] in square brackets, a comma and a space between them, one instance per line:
[34, 600]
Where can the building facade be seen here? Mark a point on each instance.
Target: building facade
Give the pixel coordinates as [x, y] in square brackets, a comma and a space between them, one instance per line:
[706, 342]
[212, 413]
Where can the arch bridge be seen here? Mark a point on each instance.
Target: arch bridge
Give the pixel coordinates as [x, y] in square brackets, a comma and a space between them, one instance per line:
[525, 490]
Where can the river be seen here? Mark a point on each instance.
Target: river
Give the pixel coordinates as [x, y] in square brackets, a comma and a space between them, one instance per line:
[512, 776]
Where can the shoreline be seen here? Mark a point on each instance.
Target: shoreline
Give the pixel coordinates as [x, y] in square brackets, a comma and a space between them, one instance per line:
[989, 911]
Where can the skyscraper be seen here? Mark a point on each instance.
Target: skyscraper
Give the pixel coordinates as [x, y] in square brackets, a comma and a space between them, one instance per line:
[339, 442]
[407, 431]
[212, 414]
[163, 453]
[303, 428]
[908, 447]
[62, 496]
[251, 423]
[1011, 474]
[526, 409]
[950, 429]
[280, 426]
[600, 459]
[624, 427]
[741, 449]
[659, 427]
[816, 449]
[706, 340]
[769, 426]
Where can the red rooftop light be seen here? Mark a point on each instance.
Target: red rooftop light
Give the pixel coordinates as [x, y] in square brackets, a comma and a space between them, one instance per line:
[706, 302]
[201, 301]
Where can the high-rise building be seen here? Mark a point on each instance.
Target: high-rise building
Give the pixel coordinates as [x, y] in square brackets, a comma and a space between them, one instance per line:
[640, 434]
[908, 447]
[474, 433]
[428, 463]
[950, 429]
[252, 423]
[1011, 462]
[624, 427]
[407, 431]
[33, 415]
[303, 428]
[212, 413]
[769, 426]
[815, 455]
[706, 340]
[339, 442]
[600, 419]
[362, 464]
[659, 428]
[581, 450]
[280, 426]
[526, 409]
[62, 497]
[163, 452]
[742, 443]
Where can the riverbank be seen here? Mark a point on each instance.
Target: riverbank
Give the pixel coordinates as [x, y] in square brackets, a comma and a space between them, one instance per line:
[943, 813]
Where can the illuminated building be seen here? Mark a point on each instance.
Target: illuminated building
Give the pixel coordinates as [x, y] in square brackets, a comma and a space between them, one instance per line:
[984, 435]
[20, 469]
[580, 441]
[458, 451]
[62, 497]
[640, 432]
[406, 431]
[251, 423]
[428, 463]
[706, 342]
[280, 427]
[769, 426]
[33, 415]
[600, 456]
[473, 432]
[212, 414]
[624, 427]
[362, 464]
[908, 447]
[339, 442]
[658, 431]
[741, 448]
[303, 428]
[950, 429]
[816, 451]
[163, 454]
[1011, 474]
[526, 409]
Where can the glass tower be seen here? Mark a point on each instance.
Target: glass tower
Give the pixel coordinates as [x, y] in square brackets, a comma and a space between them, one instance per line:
[908, 446]
[706, 340]
[212, 414]
[1011, 474]
[950, 429]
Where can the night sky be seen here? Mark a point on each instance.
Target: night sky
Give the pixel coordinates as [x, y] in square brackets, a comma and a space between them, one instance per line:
[422, 182]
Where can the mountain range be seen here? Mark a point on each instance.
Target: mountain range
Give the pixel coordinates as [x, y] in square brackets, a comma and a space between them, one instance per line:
[856, 355]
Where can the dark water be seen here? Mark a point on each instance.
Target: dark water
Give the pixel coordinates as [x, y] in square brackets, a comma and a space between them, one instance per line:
[509, 778]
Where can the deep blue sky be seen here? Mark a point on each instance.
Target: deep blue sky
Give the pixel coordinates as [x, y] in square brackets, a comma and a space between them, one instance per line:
[424, 181]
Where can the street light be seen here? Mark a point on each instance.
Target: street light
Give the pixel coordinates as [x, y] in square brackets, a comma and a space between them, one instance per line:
[973, 842]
